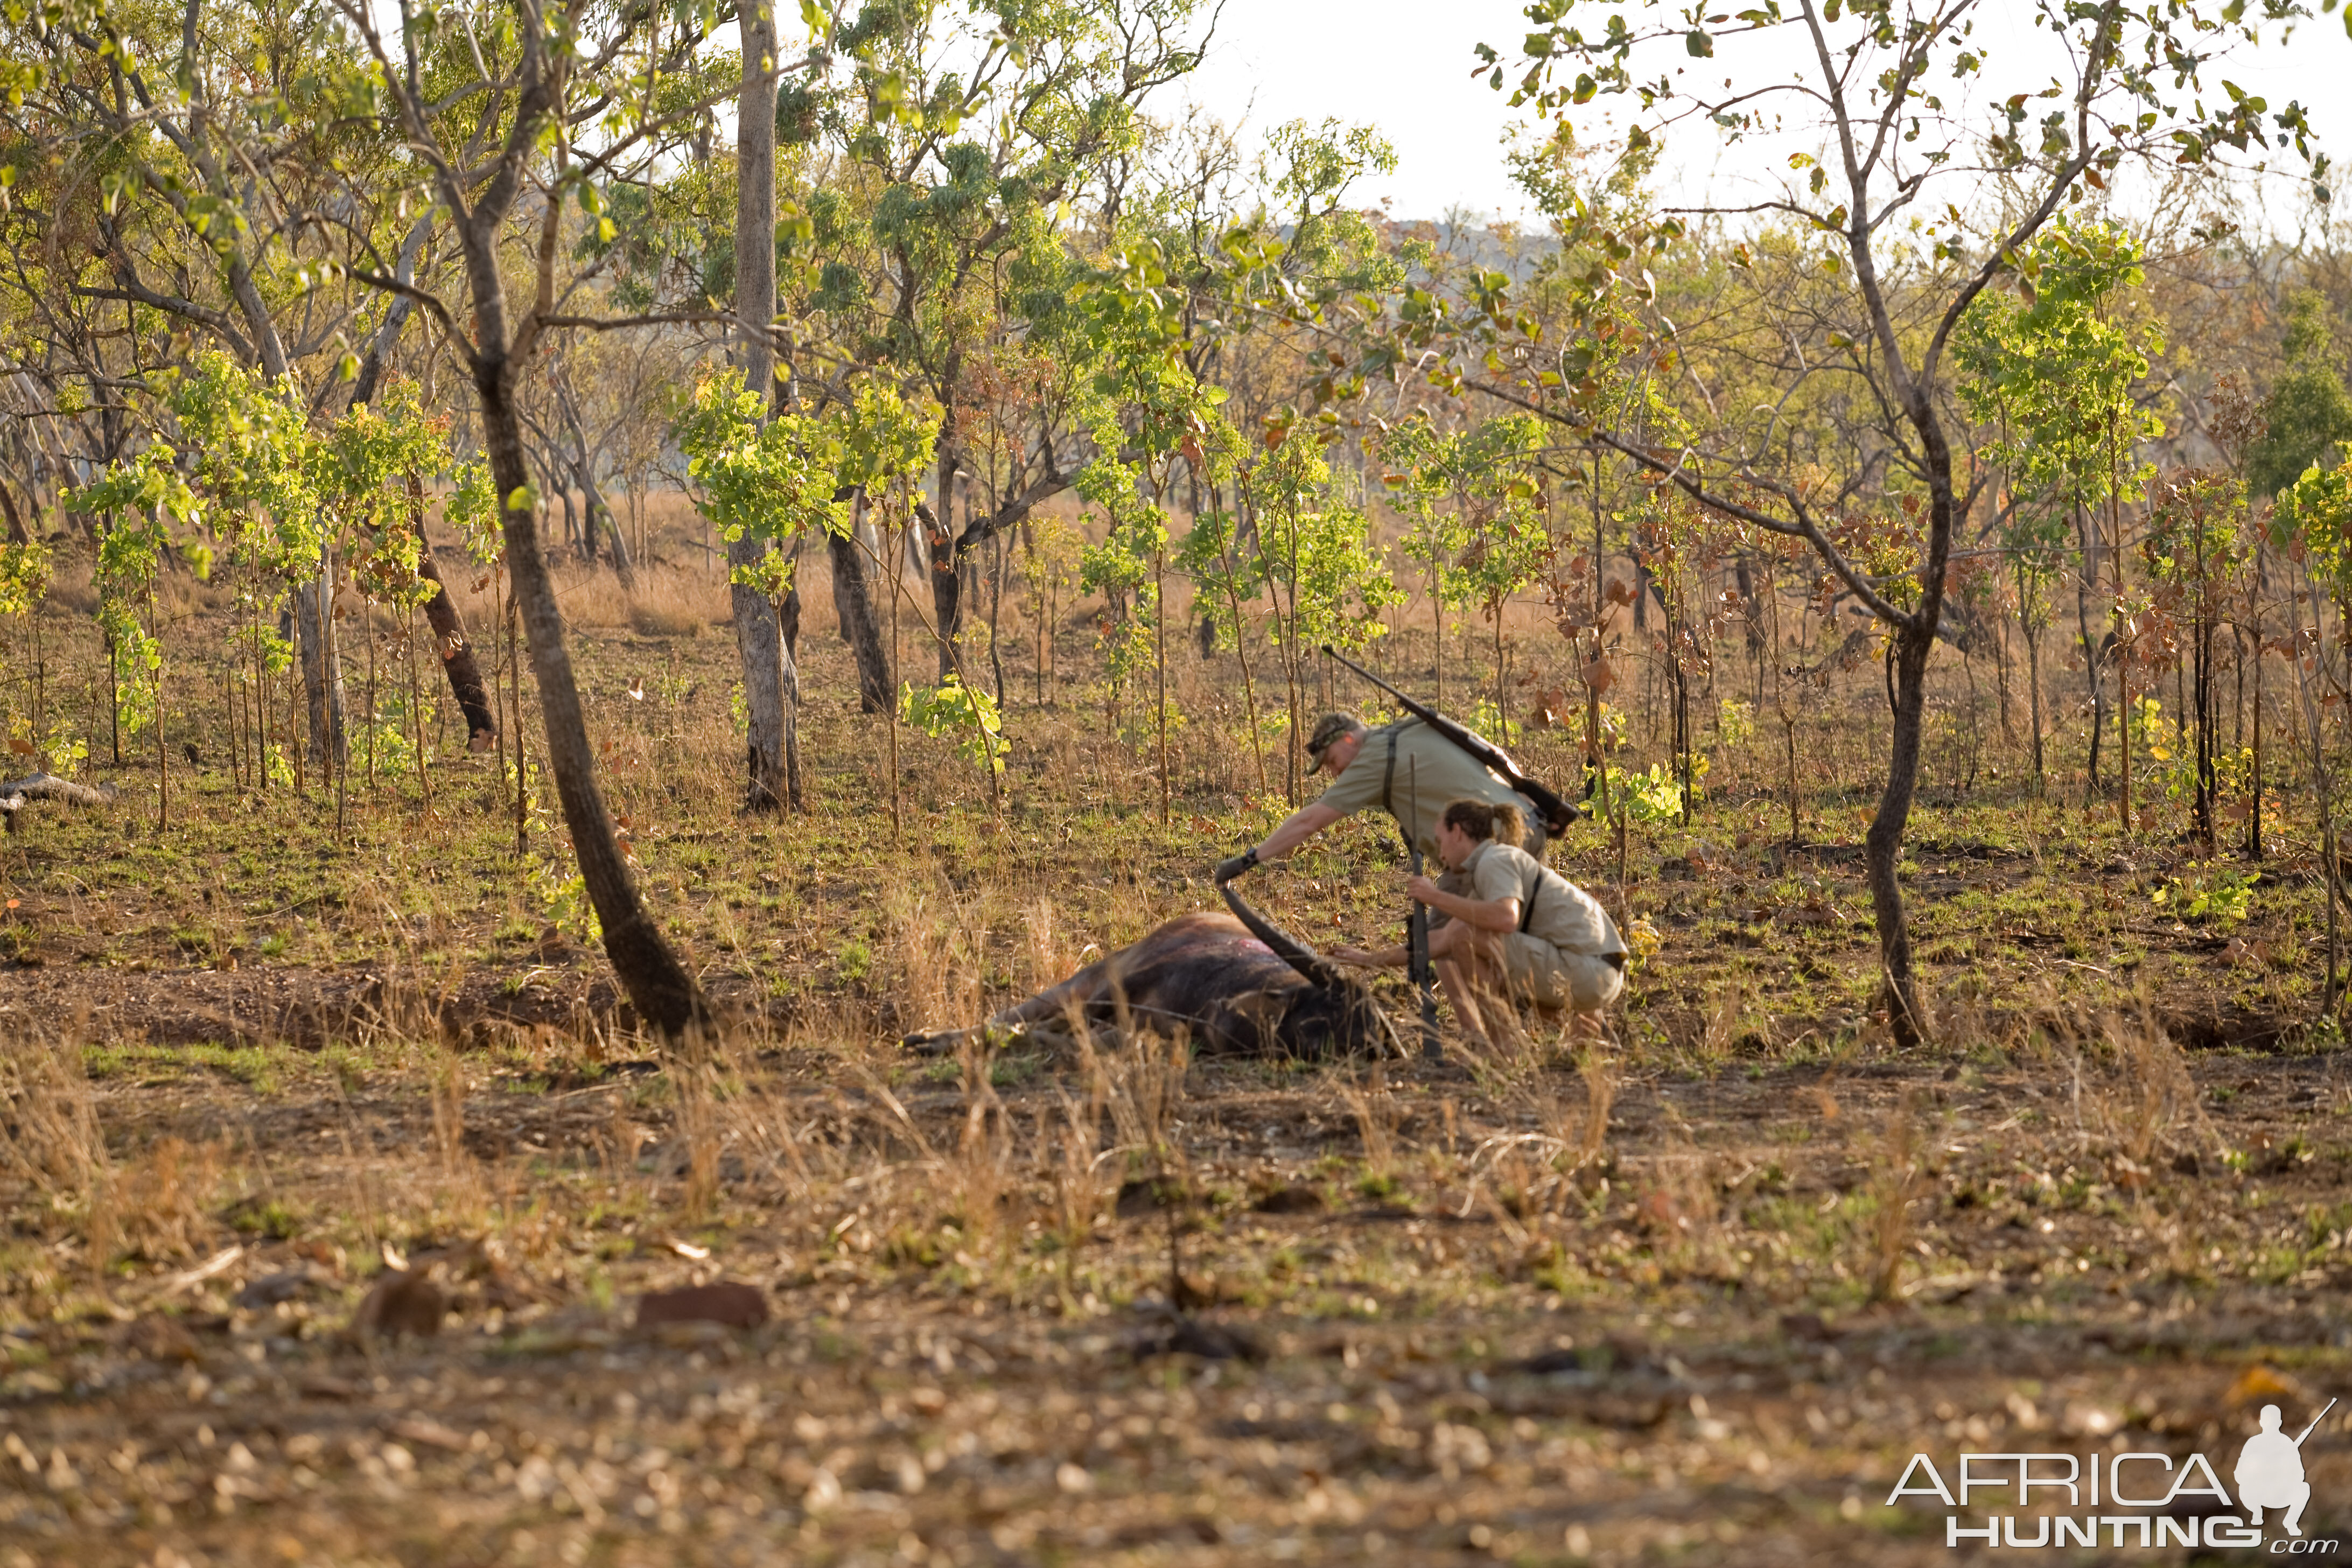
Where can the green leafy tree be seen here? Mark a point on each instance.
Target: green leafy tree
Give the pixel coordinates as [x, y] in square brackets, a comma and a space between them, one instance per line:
[1424, 480]
[2311, 526]
[1229, 576]
[26, 569]
[2038, 545]
[884, 439]
[559, 107]
[144, 507]
[1888, 210]
[1326, 581]
[1146, 410]
[770, 481]
[2057, 370]
[256, 462]
[2308, 415]
[2194, 551]
[1478, 520]
[370, 472]
[958, 133]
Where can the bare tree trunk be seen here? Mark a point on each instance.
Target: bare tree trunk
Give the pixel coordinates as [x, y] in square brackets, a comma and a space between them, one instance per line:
[458, 660]
[17, 535]
[660, 987]
[2255, 801]
[457, 657]
[1883, 845]
[946, 581]
[759, 640]
[2083, 577]
[601, 521]
[1915, 645]
[664, 994]
[596, 512]
[853, 601]
[2034, 688]
[322, 674]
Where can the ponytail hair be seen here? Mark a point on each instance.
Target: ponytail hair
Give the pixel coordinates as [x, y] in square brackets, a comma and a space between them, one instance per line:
[1483, 820]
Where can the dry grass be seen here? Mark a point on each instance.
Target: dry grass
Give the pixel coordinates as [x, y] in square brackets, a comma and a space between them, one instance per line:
[1679, 1201]
[1587, 1139]
[981, 1174]
[940, 943]
[943, 1247]
[2148, 1101]
[158, 1208]
[50, 1138]
[1141, 1082]
[1899, 1179]
[1377, 1114]
[1050, 960]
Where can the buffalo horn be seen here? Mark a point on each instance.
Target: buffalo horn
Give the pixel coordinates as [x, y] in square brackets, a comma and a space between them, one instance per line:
[1286, 947]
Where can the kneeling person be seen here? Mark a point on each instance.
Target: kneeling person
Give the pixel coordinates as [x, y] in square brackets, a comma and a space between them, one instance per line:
[1507, 924]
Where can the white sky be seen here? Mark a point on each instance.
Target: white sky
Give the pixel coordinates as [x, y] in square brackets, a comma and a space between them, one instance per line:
[1407, 68]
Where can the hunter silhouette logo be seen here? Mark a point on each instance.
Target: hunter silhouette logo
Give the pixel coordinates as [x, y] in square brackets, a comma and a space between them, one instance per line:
[2270, 1471]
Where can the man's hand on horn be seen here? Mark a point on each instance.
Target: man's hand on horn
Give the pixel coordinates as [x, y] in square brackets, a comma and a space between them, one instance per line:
[1227, 870]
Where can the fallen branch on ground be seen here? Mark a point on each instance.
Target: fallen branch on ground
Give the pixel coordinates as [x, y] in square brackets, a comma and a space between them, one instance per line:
[16, 792]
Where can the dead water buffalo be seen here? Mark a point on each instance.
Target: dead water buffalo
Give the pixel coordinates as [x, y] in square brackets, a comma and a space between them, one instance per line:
[1234, 984]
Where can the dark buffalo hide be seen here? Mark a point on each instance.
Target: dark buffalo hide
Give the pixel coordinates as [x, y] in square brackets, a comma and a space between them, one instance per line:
[1232, 984]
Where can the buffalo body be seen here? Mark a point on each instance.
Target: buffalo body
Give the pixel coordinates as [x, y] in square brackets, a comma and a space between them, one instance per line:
[1233, 984]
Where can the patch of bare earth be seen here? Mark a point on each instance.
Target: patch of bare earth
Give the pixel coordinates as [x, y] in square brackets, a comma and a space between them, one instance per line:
[1418, 1329]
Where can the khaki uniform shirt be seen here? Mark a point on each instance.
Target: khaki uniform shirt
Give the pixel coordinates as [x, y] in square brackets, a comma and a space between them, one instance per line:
[1430, 772]
[1550, 906]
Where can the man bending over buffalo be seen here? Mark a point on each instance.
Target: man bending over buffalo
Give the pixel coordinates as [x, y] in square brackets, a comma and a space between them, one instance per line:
[1407, 769]
[1505, 925]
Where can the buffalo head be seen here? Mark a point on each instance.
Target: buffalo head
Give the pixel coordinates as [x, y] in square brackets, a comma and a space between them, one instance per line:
[1335, 1012]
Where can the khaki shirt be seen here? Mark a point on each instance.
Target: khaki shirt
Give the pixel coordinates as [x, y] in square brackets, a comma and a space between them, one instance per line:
[1561, 913]
[1431, 774]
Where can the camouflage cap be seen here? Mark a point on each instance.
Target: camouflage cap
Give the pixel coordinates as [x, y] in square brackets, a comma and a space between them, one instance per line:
[1327, 729]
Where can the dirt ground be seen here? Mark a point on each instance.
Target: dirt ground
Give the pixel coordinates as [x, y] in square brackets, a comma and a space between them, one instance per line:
[275, 1096]
[1671, 1361]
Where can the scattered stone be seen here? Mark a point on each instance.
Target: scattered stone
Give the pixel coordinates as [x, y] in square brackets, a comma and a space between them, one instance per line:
[271, 1289]
[1808, 1327]
[729, 1303]
[402, 1301]
[1297, 1198]
[1138, 1197]
[1190, 1336]
[160, 1338]
[427, 1433]
[2256, 1383]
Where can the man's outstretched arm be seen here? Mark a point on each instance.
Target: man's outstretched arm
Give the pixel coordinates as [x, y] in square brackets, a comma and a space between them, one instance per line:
[1296, 829]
